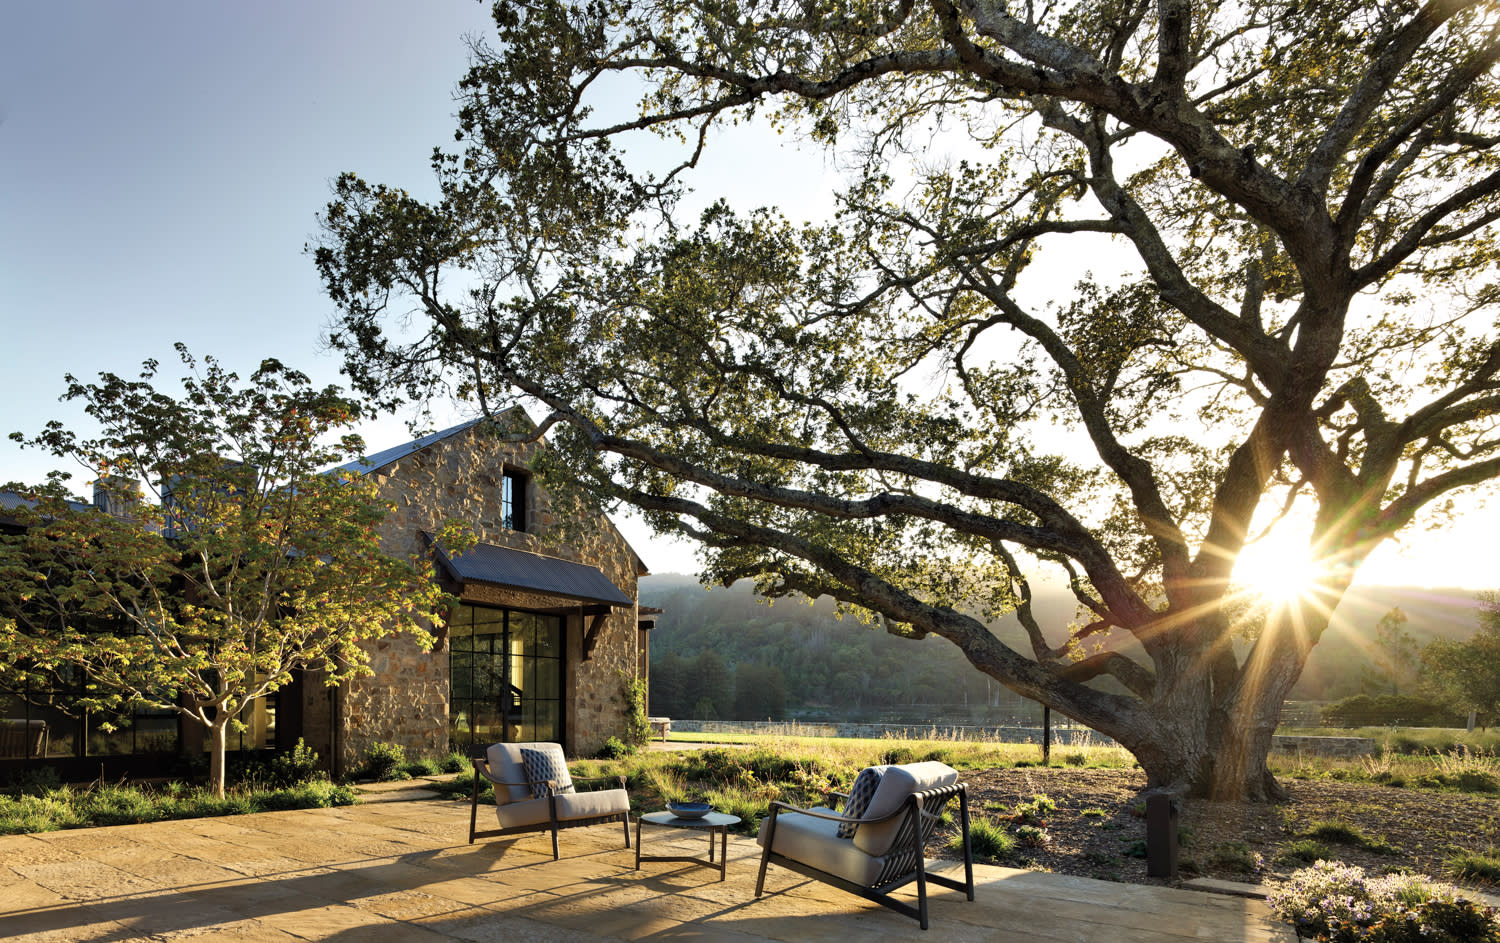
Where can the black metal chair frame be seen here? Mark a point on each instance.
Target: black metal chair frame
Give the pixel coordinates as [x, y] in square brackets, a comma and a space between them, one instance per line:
[906, 860]
[482, 769]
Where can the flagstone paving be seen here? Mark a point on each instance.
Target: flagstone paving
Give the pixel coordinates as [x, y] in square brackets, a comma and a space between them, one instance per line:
[402, 870]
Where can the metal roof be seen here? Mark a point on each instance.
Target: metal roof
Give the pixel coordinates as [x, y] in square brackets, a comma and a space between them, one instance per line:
[10, 500]
[370, 463]
[517, 569]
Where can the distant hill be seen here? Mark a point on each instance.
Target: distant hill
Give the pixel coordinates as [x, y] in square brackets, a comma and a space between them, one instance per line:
[740, 627]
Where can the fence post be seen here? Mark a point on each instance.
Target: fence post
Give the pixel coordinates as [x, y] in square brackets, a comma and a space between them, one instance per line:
[1046, 735]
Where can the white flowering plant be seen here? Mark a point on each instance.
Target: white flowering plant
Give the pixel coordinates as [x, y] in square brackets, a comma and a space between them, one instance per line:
[1340, 903]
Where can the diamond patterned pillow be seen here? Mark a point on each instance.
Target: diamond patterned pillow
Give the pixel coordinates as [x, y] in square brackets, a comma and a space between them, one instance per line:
[542, 765]
[860, 795]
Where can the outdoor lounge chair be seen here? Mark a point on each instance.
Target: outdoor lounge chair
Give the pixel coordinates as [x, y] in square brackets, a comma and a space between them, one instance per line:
[877, 843]
[534, 793]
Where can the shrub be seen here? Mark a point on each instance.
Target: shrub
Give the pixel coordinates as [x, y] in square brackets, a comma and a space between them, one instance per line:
[119, 805]
[614, 749]
[383, 761]
[1032, 836]
[897, 756]
[986, 840]
[1305, 849]
[1075, 759]
[420, 767]
[1475, 781]
[1341, 833]
[1475, 866]
[1094, 814]
[1237, 856]
[296, 766]
[1034, 811]
[25, 815]
[1386, 710]
[456, 763]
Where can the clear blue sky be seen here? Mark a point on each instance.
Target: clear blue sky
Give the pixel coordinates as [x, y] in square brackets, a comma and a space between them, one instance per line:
[161, 168]
[162, 165]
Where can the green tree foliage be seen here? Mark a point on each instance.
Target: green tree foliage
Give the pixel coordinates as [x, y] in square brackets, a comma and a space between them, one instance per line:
[1298, 315]
[1468, 673]
[809, 646]
[248, 566]
[1403, 710]
[709, 686]
[759, 692]
[1395, 661]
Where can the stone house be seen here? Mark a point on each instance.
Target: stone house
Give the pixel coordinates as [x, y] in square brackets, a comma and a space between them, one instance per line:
[542, 645]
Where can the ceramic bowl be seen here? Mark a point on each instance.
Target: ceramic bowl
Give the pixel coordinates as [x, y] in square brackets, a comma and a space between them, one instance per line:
[689, 810]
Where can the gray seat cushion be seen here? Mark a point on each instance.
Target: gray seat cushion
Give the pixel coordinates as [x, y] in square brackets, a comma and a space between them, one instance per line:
[570, 808]
[814, 842]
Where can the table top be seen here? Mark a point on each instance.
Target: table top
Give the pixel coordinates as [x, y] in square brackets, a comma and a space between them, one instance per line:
[711, 820]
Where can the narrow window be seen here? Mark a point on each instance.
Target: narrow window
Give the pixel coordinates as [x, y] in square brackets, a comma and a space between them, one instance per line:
[513, 501]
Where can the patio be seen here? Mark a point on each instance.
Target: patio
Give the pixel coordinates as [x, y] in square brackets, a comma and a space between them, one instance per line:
[402, 870]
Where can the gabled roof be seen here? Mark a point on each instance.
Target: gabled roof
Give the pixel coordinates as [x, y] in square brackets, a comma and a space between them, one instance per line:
[518, 569]
[371, 463]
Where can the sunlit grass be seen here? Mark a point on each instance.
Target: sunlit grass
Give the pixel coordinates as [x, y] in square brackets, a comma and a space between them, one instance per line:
[73, 807]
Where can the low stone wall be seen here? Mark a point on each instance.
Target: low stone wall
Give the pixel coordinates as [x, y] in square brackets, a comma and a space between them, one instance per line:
[1333, 747]
[1061, 735]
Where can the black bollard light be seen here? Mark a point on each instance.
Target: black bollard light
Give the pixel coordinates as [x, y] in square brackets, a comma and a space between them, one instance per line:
[1161, 837]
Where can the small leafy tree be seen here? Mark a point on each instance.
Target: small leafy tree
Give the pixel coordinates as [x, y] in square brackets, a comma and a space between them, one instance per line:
[1468, 673]
[248, 566]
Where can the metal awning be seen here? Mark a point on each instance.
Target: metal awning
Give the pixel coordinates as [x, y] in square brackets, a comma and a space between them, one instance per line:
[517, 569]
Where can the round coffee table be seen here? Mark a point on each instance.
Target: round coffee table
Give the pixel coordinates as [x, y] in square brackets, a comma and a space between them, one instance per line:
[712, 822]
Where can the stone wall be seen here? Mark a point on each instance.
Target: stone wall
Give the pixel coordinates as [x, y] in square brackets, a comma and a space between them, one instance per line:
[1063, 733]
[1335, 747]
[459, 478]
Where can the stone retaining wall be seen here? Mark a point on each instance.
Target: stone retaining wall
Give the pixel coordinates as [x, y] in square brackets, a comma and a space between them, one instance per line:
[1333, 747]
[1062, 735]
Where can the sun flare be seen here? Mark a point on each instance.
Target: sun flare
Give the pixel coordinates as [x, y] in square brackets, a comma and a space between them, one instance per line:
[1279, 572]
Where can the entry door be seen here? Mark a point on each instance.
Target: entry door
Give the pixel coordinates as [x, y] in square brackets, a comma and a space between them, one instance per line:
[506, 677]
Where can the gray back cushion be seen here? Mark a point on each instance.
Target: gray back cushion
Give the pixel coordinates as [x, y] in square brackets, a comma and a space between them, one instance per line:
[898, 783]
[507, 766]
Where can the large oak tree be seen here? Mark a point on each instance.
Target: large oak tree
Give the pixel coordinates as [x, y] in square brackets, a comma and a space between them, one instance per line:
[1302, 202]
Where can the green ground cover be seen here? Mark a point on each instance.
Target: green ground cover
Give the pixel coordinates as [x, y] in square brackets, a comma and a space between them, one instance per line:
[58, 807]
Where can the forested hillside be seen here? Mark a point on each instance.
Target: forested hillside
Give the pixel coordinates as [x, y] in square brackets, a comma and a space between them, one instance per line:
[727, 654]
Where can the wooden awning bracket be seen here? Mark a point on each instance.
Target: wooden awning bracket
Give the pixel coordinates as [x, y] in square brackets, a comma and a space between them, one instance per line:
[591, 635]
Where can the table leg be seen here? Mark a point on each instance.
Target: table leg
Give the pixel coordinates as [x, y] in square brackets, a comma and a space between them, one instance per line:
[723, 849]
[638, 844]
[711, 844]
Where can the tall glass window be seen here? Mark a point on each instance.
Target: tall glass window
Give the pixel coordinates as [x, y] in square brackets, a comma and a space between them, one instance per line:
[506, 677]
[513, 501]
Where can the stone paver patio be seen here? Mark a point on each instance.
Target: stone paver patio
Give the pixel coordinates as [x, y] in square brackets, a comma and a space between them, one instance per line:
[402, 870]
